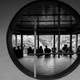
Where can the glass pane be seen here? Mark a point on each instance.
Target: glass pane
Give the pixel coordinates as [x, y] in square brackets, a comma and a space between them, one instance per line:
[74, 43]
[28, 41]
[18, 40]
[14, 41]
[64, 39]
[78, 39]
[46, 40]
[56, 42]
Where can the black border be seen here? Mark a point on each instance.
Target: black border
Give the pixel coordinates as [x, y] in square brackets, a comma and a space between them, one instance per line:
[20, 66]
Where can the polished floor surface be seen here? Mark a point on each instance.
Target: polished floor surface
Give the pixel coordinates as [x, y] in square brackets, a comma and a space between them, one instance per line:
[47, 66]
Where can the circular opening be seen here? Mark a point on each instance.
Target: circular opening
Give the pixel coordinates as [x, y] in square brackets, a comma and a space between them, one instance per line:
[43, 40]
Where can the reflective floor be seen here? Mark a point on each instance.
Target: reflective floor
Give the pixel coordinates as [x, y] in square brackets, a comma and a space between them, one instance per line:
[47, 66]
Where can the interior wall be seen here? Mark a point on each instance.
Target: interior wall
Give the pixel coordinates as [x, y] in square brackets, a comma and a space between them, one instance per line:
[8, 71]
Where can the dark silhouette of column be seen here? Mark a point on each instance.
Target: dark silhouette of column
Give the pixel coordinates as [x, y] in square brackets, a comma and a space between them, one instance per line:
[38, 41]
[58, 42]
[76, 41]
[70, 45]
[54, 43]
[70, 42]
[59, 21]
[37, 32]
[35, 37]
[59, 27]
[16, 39]
[21, 46]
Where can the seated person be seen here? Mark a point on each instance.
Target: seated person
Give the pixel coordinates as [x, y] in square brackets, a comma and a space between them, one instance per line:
[60, 53]
[65, 48]
[30, 51]
[70, 52]
[47, 50]
[40, 49]
[78, 49]
[53, 50]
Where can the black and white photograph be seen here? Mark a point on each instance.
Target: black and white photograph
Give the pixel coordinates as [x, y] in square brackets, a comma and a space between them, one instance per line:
[40, 40]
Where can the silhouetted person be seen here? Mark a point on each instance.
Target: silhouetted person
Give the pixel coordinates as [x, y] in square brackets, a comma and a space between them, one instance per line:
[47, 50]
[59, 53]
[54, 51]
[40, 51]
[37, 51]
[65, 49]
[19, 52]
[30, 51]
[15, 51]
[14, 48]
[78, 50]
[70, 52]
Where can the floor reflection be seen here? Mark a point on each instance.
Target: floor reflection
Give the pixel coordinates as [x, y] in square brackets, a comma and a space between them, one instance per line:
[48, 66]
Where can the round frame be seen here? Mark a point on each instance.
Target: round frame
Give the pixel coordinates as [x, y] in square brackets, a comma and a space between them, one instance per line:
[20, 66]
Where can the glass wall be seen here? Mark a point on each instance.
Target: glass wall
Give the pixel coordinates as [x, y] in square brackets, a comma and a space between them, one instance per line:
[50, 41]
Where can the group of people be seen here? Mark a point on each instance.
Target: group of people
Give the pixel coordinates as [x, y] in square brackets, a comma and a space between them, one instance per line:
[64, 51]
[18, 51]
[39, 50]
[47, 51]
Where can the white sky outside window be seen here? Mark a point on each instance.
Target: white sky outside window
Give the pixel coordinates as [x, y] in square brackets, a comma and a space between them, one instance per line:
[18, 40]
[28, 40]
